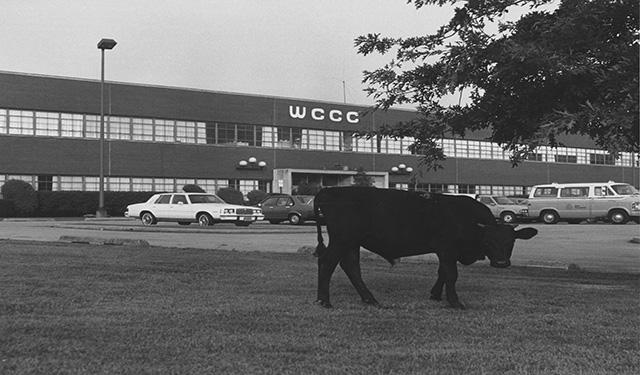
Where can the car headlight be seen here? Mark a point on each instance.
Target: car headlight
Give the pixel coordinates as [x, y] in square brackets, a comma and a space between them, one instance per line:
[257, 212]
[524, 211]
[229, 211]
[635, 206]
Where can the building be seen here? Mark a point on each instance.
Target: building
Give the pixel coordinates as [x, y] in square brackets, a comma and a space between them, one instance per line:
[161, 138]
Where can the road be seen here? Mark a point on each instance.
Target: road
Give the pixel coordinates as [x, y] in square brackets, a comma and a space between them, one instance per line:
[594, 247]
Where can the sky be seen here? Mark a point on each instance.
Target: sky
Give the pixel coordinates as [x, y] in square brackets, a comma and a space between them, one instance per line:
[288, 48]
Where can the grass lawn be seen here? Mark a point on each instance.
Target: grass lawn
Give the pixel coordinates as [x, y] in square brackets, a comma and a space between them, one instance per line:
[87, 309]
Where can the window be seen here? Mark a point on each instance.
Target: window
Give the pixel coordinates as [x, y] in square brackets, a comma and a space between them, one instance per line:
[401, 186]
[574, 192]
[141, 184]
[246, 136]
[393, 146]
[92, 126]
[226, 133]
[201, 136]
[45, 183]
[164, 130]
[91, 183]
[21, 122]
[142, 129]
[486, 200]
[265, 136]
[331, 141]
[119, 128]
[535, 157]
[118, 183]
[604, 159]
[163, 199]
[179, 198]
[486, 150]
[210, 133]
[47, 124]
[313, 139]
[164, 184]
[245, 186]
[474, 149]
[362, 144]
[566, 159]
[72, 183]
[347, 141]
[546, 192]
[71, 125]
[186, 131]
[3, 121]
[462, 150]
[448, 148]
[602, 191]
[212, 186]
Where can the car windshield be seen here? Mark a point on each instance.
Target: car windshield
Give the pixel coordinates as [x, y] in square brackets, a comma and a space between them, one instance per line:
[305, 199]
[504, 200]
[624, 189]
[205, 198]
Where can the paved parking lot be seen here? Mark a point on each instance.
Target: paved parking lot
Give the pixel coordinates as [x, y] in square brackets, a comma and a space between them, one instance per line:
[596, 247]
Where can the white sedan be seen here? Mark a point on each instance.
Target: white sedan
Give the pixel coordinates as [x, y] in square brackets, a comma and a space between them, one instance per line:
[187, 208]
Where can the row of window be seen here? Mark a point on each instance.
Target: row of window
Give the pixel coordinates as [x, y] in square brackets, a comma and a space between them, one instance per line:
[52, 124]
[498, 190]
[92, 183]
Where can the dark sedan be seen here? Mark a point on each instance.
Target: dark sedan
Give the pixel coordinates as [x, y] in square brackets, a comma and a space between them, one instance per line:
[296, 209]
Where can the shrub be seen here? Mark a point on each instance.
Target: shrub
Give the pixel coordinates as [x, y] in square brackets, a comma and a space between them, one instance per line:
[191, 188]
[22, 195]
[6, 208]
[231, 196]
[361, 178]
[80, 203]
[255, 196]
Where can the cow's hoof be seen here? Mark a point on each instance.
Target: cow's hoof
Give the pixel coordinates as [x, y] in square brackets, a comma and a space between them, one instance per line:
[371, 302]
[435, 298]
[324, 304]
[457, 305]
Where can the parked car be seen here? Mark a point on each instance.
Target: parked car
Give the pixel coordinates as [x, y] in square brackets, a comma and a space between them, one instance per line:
[282, 207]
[187, 208]
[505, 209]
[574, 202]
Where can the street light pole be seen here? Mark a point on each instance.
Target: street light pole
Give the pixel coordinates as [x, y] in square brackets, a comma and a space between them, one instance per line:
[102, 45]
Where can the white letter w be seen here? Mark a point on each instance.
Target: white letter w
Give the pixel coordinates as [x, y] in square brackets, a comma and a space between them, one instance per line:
[297, 113]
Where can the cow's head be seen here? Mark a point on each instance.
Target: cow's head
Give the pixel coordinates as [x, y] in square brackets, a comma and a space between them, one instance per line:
[498, 242]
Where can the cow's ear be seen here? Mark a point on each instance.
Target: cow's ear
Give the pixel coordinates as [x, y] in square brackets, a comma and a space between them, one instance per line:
[526, 233]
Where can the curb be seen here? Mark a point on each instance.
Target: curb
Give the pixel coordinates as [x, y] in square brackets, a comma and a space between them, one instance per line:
[104, 241]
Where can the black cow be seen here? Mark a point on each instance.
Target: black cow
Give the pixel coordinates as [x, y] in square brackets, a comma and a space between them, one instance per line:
[396, 224]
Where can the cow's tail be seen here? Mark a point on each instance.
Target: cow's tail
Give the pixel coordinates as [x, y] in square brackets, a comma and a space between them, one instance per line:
[321, 248]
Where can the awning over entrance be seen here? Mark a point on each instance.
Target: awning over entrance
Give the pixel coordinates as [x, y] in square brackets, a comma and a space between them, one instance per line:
[287, 180]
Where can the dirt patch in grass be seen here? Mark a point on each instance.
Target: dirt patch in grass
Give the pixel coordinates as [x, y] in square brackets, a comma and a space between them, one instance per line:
[73, 308]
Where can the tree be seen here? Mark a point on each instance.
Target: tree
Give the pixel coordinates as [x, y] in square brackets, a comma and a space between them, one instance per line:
[192, 188]
[571, 70]
[361, 178]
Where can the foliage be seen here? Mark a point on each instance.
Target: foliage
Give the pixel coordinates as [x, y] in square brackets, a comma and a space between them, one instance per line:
[192, 188]
[6, 208]
[231, 196]
[255, 196]
[361, 178]
[569, 70]
[306, 188]
[95, 309]
[22, 195]
[80, 203]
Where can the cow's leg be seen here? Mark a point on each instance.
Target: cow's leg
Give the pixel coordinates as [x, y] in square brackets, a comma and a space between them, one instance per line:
[350, 263]
[436, 291]
[327, 262]
[450, 277]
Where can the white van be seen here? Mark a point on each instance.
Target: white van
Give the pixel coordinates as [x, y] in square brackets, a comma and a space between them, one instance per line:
[612, 201]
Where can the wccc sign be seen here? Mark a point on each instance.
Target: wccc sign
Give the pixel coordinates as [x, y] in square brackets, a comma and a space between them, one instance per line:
[319, 114]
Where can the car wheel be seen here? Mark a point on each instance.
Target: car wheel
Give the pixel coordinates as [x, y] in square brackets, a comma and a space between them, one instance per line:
[295, 219]
[618, 217]
[147, 218]
[204, 219]
[184, 222]
[549, 217]
[507, 217]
